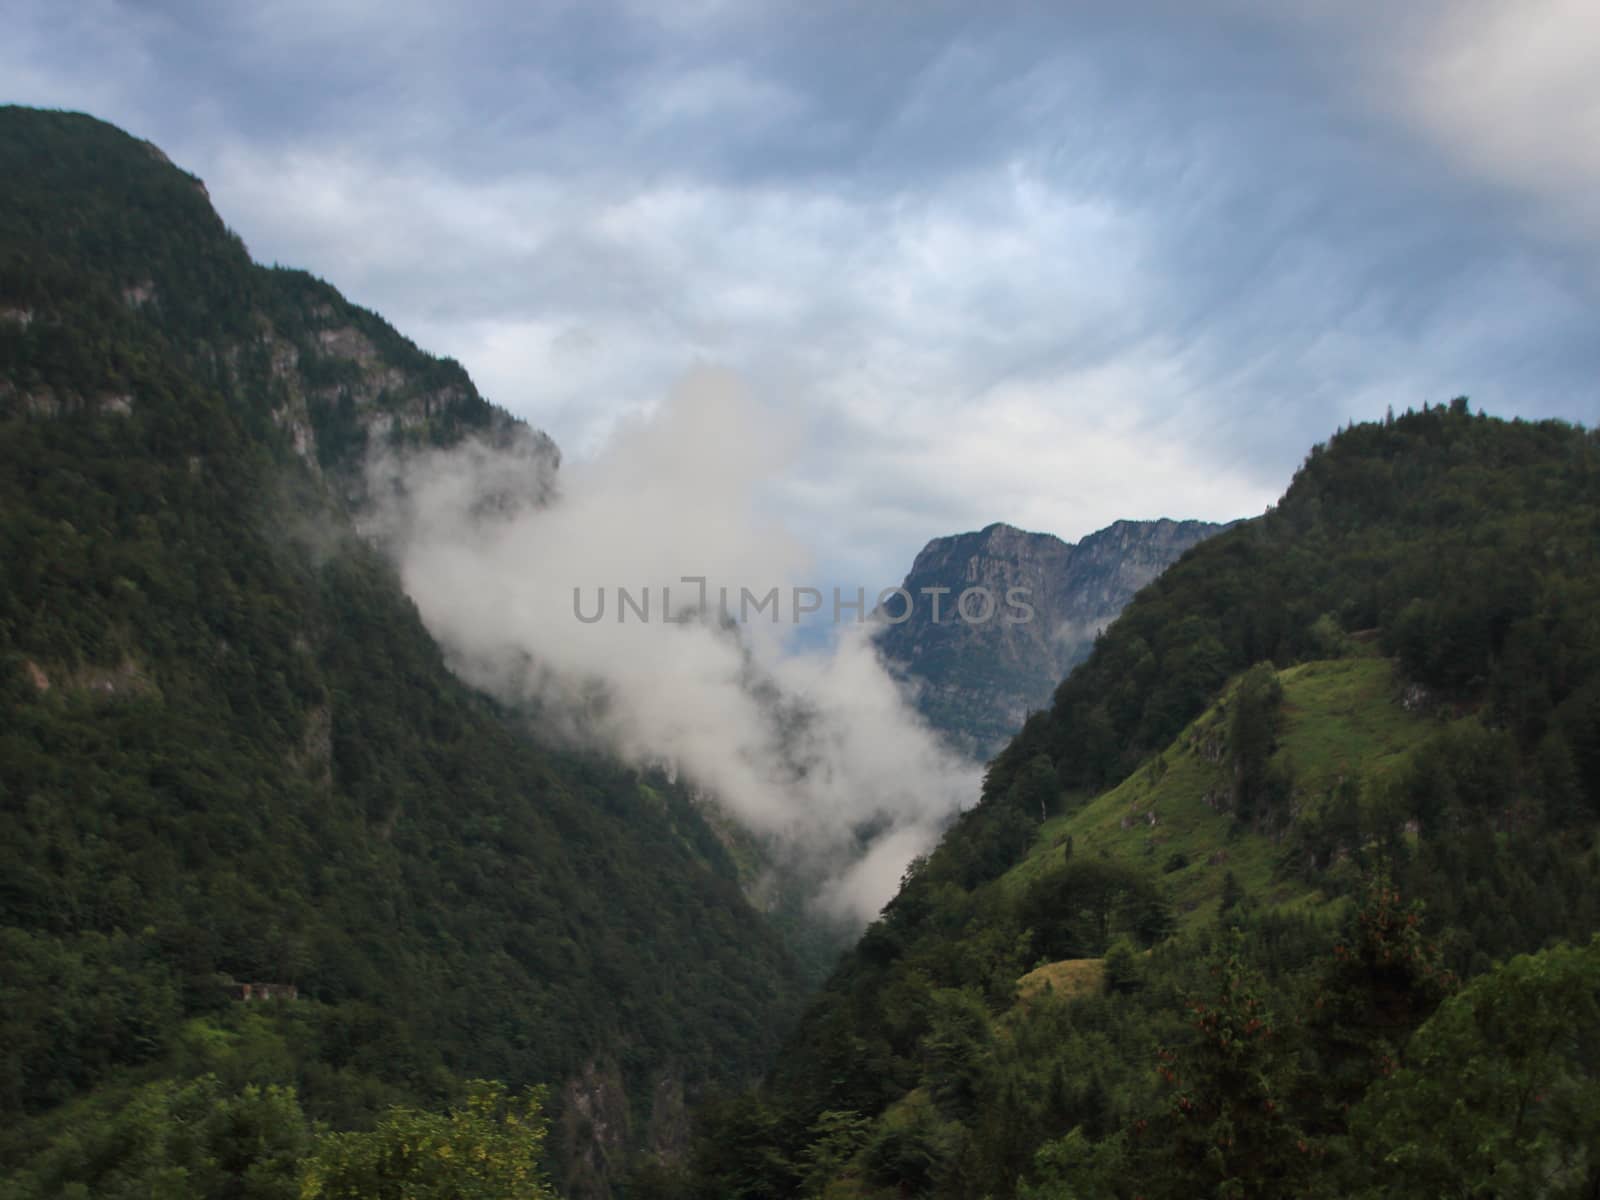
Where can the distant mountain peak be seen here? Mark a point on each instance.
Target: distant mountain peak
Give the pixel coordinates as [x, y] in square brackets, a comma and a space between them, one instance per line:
[975, 682]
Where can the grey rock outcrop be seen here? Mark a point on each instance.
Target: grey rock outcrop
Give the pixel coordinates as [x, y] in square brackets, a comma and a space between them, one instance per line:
[975, 681]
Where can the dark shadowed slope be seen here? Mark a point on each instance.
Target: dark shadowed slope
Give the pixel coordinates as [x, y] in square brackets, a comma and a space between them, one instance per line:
[230, 751]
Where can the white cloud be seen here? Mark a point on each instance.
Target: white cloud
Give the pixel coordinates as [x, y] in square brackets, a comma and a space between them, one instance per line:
[1514, 91]
[1510, 92]
[1056, 270]
[804, 749]
[903, 330]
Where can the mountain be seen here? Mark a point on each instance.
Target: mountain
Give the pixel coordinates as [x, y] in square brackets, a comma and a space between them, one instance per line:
[233, 763]
[975, 681]
[1290, 891]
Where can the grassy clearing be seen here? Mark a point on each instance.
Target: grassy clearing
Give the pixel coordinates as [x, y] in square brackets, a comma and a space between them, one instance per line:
[1341, 720]
[1066, 980]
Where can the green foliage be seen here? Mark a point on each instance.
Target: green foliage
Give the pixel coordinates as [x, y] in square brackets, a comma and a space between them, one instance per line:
[73, 1008]
[1122, 973]
[170, 1139]
[1467, 543]
[1076, 910]
[1500, 1092]
[487, 1148]
[1347, 737]
[229, 749]
[1384, 979]
[1037, 788]
[1328, 638]
[1230, 1130]
[911, 1150]
[953, 1049]
[832, 1142]
[201, 1139]
[737, 1153]
[1260, 793]
[1232, 896]
[1076, 1167]
[1408, 798]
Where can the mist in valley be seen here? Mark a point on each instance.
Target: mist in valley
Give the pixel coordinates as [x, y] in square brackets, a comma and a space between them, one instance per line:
[813, 750]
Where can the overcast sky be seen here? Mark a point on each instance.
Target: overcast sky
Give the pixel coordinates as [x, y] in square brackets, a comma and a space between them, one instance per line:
[1051, 263]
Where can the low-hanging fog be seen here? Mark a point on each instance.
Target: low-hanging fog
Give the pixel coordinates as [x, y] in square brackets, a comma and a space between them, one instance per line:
[815, 752]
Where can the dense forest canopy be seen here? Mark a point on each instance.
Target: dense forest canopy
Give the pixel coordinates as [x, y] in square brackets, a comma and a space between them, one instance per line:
[1304, 846]
[230, 753]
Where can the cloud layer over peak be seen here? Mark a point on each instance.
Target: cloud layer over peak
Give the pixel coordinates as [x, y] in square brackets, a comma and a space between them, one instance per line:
[1052, 264]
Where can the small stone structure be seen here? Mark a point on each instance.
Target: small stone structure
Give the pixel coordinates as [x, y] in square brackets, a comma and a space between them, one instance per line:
[263, 991]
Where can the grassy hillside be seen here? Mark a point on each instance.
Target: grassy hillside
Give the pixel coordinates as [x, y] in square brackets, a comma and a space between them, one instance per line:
[1343, 724]
[1218, 905]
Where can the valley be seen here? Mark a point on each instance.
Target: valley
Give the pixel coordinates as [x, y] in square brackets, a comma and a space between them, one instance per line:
[1261, 864]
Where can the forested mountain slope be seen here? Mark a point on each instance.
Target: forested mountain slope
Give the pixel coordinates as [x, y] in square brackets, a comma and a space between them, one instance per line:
[1272, 900]
[230, 753]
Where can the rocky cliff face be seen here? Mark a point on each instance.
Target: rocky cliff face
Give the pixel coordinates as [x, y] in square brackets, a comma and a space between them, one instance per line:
[977, 679]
